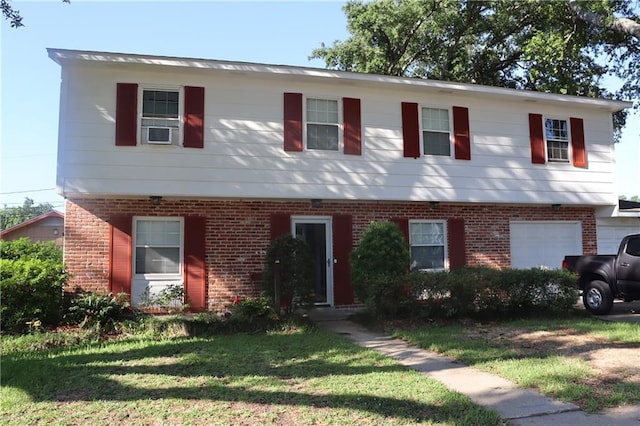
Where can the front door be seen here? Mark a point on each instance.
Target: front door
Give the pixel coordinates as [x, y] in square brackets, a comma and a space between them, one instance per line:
[316, 231]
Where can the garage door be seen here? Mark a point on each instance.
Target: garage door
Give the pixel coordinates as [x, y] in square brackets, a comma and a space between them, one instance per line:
[544, 244]
[609, 236]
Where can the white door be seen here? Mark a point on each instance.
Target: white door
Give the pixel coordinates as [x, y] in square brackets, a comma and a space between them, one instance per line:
[544, 243]
[316, 231]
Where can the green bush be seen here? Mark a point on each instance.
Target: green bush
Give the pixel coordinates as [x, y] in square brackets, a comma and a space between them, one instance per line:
[31, 290]
[170, 299]
[101, 311]
[253, 315]
[22, 248]
[379, 267]
[288, 272]
[482, 292]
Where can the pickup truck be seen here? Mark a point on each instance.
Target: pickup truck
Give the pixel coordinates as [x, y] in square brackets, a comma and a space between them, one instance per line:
[603, 278]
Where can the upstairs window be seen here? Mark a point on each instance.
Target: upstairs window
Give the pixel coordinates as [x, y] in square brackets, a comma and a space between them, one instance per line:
[436, 131]
[557, 138]
[158, 246]
[322, 124]
[160, 116]
[428, 245]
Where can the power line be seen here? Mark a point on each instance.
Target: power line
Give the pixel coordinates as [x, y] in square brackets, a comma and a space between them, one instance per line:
[28, 190]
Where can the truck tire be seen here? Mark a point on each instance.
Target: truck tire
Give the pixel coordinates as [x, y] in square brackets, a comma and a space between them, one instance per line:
[597, 297]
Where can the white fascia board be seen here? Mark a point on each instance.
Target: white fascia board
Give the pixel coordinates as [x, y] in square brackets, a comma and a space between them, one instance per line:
[62, 56]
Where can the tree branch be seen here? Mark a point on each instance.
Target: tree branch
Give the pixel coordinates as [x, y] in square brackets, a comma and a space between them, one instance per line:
[620, 25]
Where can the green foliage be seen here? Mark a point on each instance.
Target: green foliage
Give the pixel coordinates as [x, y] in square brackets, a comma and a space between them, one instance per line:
[253, 315]
[288, 272]
[479, 292]
[31, 290]
[171, 298]
[378, 267]
[100, 311]
[12, 216]
[22, 248]
[536, 45]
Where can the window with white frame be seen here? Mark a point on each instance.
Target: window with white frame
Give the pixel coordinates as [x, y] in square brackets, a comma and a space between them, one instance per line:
[160, 116]
[557, 137]
[428, 245]
[158, 246]
[322, 124]
[436, 131]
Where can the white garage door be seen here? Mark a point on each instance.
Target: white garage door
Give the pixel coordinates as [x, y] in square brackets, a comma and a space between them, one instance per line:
[544, 244]
[609, 236]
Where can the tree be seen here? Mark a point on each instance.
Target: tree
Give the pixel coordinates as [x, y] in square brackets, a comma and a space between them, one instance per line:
[549, 46]
[13, 15]
[12, 216]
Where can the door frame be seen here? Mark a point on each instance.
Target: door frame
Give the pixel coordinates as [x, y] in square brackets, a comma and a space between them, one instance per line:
[327, 221]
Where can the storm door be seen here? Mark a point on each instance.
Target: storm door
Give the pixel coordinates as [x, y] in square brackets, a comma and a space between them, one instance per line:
[316, 231]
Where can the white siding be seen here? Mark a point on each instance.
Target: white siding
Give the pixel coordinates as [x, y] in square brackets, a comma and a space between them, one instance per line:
[243, 152]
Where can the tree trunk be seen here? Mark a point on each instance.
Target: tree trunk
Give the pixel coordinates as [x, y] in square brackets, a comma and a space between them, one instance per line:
[620, 25]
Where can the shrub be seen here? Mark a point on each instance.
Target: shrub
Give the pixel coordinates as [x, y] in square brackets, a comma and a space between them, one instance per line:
[171, 298]
[487, 293]
[103, 312]
[378, 268]
[31, 290]
[253, 315]
[22, 248]
[288, 272]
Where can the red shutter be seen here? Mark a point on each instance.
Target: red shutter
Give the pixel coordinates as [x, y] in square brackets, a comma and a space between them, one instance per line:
[403, 224]
[461, 137]
[280, 224]
[352, 126]
[194, 262]
[126, 114]
[410, 130]
[193, 117]
[536, 135]
[342, 245]
[577, 142]
[293, 121]
[120, 252]
[456, 243]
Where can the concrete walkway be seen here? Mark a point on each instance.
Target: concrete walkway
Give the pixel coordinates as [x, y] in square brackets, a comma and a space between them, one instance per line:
[519, 406]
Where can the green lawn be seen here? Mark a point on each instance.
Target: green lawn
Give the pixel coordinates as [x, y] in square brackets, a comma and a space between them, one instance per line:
[296, 377]
[587, 361]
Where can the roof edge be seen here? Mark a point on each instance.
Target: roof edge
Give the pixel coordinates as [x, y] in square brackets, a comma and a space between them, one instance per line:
[63, 56]
[51, 213]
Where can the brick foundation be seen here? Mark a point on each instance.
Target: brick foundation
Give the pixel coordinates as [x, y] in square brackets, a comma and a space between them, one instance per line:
[238, 234]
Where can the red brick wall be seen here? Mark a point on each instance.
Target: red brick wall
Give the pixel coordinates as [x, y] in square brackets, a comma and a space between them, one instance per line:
[238, 235]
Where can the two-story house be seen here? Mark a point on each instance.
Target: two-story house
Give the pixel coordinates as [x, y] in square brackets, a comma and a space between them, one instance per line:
[181, 171]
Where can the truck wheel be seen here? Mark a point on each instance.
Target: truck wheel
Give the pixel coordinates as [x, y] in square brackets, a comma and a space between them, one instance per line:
[597, 297]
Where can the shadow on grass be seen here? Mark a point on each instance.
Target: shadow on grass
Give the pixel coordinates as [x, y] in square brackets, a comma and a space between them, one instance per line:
[257, 369]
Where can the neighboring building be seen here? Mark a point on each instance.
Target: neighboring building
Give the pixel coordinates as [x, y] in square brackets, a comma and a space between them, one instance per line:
[45, 227]
[180, 170]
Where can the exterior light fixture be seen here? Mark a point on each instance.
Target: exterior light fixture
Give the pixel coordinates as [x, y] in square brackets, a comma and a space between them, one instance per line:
[155, 199]
[555, 206]
[316, 202]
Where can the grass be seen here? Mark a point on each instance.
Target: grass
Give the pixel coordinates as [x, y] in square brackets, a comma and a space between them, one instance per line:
[303, 376]
[536, 364]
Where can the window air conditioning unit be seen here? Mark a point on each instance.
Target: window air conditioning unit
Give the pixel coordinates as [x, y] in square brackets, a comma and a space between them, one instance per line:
[159, 135]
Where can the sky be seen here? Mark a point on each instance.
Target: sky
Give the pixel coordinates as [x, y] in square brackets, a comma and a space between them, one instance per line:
[271, 32]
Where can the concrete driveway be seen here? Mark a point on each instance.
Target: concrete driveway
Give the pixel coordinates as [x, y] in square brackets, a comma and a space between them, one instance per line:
[623, 311]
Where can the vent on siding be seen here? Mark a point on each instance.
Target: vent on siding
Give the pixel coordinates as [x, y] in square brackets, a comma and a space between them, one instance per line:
[159, 135]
